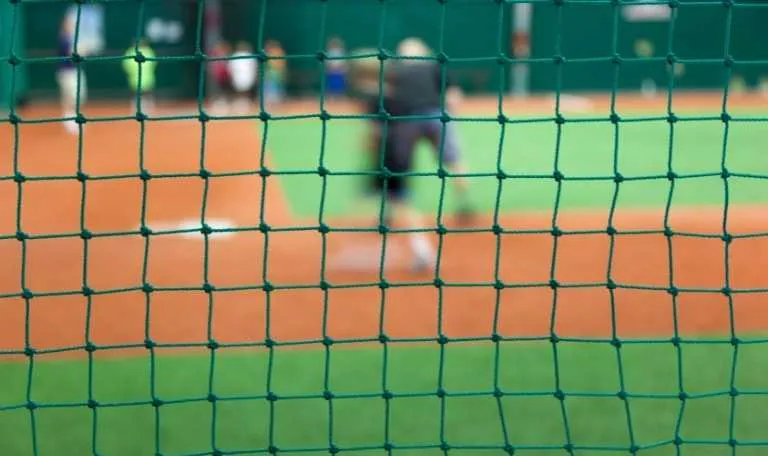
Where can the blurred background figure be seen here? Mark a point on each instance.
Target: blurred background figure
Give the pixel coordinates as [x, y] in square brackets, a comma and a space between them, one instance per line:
[335, 70]
[141, 75]
[221, 77]
[72, 87]
[274, 73]
[243, 74]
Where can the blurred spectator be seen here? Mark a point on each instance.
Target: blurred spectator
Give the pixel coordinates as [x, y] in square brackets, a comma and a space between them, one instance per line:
[274, 73]
[221, 77]
[335, 70]
[242, 72]
[72, 86]
[141, 75]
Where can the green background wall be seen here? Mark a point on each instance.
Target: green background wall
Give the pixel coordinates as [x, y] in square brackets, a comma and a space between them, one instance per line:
[471, 30]
[7, 17]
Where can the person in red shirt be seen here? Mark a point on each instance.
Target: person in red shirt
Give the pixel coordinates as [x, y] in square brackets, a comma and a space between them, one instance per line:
[221, 77]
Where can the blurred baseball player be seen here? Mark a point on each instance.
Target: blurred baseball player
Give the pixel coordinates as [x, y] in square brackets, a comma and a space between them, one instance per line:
[417, 85]
[242, 72]
[141, 75]
[382, 145]
[71, 85]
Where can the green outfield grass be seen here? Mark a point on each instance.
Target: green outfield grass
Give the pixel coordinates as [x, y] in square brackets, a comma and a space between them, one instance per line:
[526, 375]
[586, 159]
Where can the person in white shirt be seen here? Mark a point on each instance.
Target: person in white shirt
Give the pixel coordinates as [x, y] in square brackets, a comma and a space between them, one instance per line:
[243, 71]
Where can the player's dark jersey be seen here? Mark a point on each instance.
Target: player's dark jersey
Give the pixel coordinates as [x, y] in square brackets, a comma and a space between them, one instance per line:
[417, 87]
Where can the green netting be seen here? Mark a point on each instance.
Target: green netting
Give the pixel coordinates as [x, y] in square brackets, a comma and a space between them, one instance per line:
[505, 418]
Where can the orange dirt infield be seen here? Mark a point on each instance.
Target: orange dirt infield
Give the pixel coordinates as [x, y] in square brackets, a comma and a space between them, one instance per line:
[294, 258]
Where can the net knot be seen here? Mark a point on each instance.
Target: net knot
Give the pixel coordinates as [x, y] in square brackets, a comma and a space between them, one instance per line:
[14, 119]
[139, 57]
[675, 341]
[611, 231]
[497, 229]
[559, 119]
[442, 57]
[445, 118]
[673, 3]
[322, 171]
[147, 288]
[509, 449]
[441, 230]
[616, 343]
[677, 441]
[501, 175]
[554, 339]
[558, 59]
[206, 229]
[325, 286]
[673, 291]
[86, 235]
[445, 447]
[727, 238]
[616, 58]
[615, 118]
[268, 287]
[212, 345]
[264, 116]
[498, 393]
[442, 340]
[558, 2]
[29, 352]
[333, 449]
[19, 178]
[496, 337]
[81, 176]
[383, 229]
[323, 228]
[383, 285]
[672, 118]
[92, 404]
[671, 58]
[327, 395]
[76, 58]
[208, 288]
[438, 282]
[265, 172]
[269, 343]
[200, 57]
[217, 453]
[622, 395]
[149, 344]
[87, 291]
[26, 293]
[735, 341]
[21, 236]
[388, 447]
[13, 60]
[725, 174]
[668, 232]
[498, 284]
[559, 395]
[502, 119]
[321, 56]
[441, 393]
[442, 173]
[212, 398]
[261, 56]
[618, 178]
[271, 397]
[203, 117]
[382, 55]
[80, 119]
[264, 228]
[157, 402]
[383, 338]
[611, 285]
[726, 291]
[725, 117]
[387, 395]
[671, 175]
[501, 59]
[145, 175]
[327, 341]
[141, 116]
[634, 449]
[556, 232]
[558, 176]
[729, 61]
[325, 115]
[272, 449]
[733, 392]
[204, 173]
[727, 3]
[31, 405]
[683, 396]
[732, 442]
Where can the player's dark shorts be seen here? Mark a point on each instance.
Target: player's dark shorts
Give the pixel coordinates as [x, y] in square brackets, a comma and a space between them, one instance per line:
[394, 162]
[407, 133]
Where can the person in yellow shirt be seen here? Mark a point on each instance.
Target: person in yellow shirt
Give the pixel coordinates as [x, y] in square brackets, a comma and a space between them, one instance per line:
[141, 75]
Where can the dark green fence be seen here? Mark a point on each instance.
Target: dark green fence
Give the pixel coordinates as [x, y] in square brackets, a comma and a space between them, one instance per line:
[10, 77]
[473, 33]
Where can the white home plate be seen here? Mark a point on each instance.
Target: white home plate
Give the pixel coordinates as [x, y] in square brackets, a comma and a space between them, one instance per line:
[364, 257]
[193, 226]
